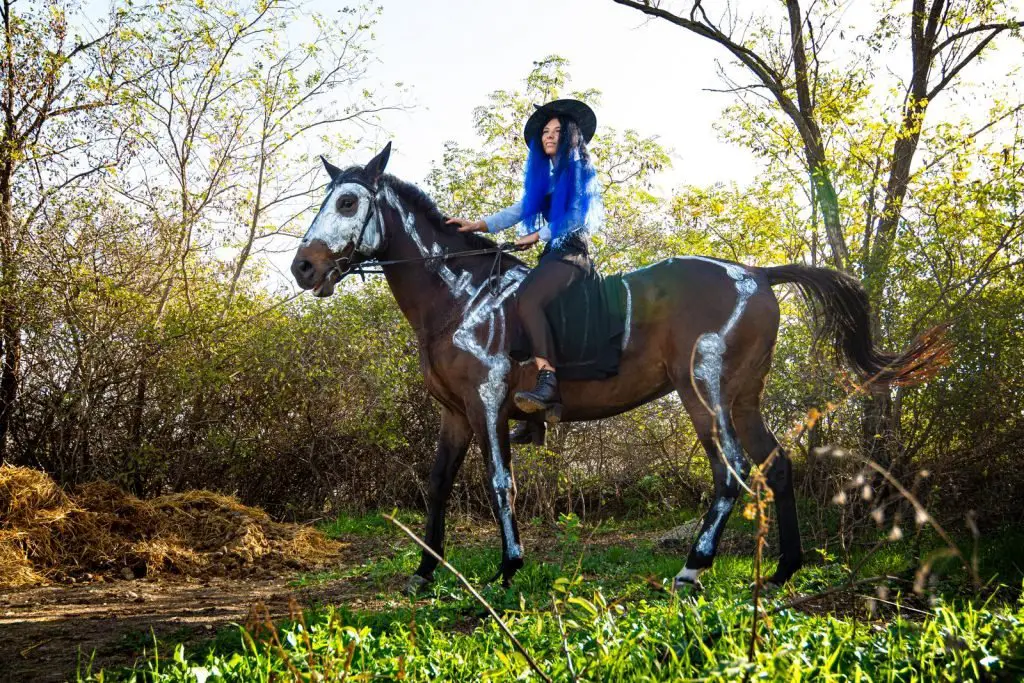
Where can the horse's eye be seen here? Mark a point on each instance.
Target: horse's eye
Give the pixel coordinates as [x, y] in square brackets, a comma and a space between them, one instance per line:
[347, 203]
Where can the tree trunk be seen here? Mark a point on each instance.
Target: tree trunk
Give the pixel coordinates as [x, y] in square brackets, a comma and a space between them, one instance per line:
[10, 323]
[876, 266]
[877, 428]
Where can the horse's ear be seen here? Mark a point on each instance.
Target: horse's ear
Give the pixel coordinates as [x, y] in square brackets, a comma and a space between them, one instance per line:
[332, 170]
[375, 169]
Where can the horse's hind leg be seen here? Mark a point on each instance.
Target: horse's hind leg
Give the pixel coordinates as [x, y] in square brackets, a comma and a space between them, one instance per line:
[452, 444]
[728, 466]
[760, 444]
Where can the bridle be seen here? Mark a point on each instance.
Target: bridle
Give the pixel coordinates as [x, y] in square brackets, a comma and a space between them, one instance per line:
[376, 266]
[370, 212]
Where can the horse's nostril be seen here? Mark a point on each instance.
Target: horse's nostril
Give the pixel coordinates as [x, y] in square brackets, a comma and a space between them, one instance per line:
[303, 270]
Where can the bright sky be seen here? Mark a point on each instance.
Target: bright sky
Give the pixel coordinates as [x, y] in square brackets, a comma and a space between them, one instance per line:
[654, 77]
[455, 52]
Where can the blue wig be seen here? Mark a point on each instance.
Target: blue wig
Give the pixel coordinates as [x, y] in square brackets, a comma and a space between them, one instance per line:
[567, 196]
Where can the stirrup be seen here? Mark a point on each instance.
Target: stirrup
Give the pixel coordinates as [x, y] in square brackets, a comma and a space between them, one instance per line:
[528, 432]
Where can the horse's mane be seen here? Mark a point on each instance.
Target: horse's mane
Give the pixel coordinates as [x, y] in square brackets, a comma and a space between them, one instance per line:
[419, 201]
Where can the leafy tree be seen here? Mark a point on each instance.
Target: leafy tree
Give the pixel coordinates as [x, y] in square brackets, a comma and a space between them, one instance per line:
[58, 90]
[144, 357]
[813, 112]
[221, 123]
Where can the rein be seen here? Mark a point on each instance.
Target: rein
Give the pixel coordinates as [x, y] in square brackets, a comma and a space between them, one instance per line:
[364, 268]
[376, 266]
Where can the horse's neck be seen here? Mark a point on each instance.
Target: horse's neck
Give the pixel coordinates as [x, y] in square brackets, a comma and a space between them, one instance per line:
[431, 294]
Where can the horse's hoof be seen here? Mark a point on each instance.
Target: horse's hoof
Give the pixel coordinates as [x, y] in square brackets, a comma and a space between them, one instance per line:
[768, 588]
[780, 578]
[681, 585]
[506, 571]
[417, 584]
[553, 415]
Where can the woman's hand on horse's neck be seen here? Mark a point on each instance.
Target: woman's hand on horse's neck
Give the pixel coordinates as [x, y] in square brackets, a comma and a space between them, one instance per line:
[468, 226]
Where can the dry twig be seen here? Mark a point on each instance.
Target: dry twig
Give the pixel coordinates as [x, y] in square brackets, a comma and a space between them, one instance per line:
[519, 646]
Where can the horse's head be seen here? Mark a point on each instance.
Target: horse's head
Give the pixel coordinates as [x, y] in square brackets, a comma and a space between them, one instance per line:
[347, 229]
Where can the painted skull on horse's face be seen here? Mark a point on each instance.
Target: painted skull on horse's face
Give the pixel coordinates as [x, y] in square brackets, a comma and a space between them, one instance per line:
[346, 230]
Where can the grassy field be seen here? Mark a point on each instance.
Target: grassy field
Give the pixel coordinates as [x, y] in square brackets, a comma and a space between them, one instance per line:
[590, 605]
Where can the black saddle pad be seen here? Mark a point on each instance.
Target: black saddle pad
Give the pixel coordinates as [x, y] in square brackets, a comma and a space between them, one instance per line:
[587, 323]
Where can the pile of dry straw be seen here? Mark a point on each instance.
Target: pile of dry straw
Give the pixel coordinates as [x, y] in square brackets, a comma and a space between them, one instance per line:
[99, 531]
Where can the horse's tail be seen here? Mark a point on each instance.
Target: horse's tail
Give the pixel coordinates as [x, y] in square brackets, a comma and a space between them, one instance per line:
[841, 306]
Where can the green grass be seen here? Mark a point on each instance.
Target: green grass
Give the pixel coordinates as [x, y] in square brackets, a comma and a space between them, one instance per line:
[617, 626]
[372, 524]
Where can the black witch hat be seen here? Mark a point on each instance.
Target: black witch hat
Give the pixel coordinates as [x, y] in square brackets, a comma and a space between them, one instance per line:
[578, 111]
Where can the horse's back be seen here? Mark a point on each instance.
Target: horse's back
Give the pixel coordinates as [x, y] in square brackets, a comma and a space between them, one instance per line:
[688, 296]
[699, 284]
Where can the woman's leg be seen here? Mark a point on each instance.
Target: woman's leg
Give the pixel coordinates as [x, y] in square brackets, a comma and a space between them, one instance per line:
[540, 287]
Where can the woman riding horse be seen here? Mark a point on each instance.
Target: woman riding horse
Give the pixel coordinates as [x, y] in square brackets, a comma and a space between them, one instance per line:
[561, 204]
[700, 326]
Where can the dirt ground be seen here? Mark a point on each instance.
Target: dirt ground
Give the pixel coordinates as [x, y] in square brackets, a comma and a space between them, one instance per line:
[48, 633]
[93, 569]
[43, 630]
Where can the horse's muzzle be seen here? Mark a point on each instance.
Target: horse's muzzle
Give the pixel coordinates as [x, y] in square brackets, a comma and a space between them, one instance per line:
[313, 268]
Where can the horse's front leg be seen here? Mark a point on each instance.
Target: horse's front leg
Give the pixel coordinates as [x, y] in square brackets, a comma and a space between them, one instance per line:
[491, 426]
[451, 450]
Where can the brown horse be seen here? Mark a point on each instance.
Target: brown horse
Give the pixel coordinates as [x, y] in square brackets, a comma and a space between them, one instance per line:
[702, 327]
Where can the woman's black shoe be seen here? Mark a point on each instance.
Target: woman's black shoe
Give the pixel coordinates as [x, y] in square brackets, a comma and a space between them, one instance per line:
[542, 396]
[527, 432]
